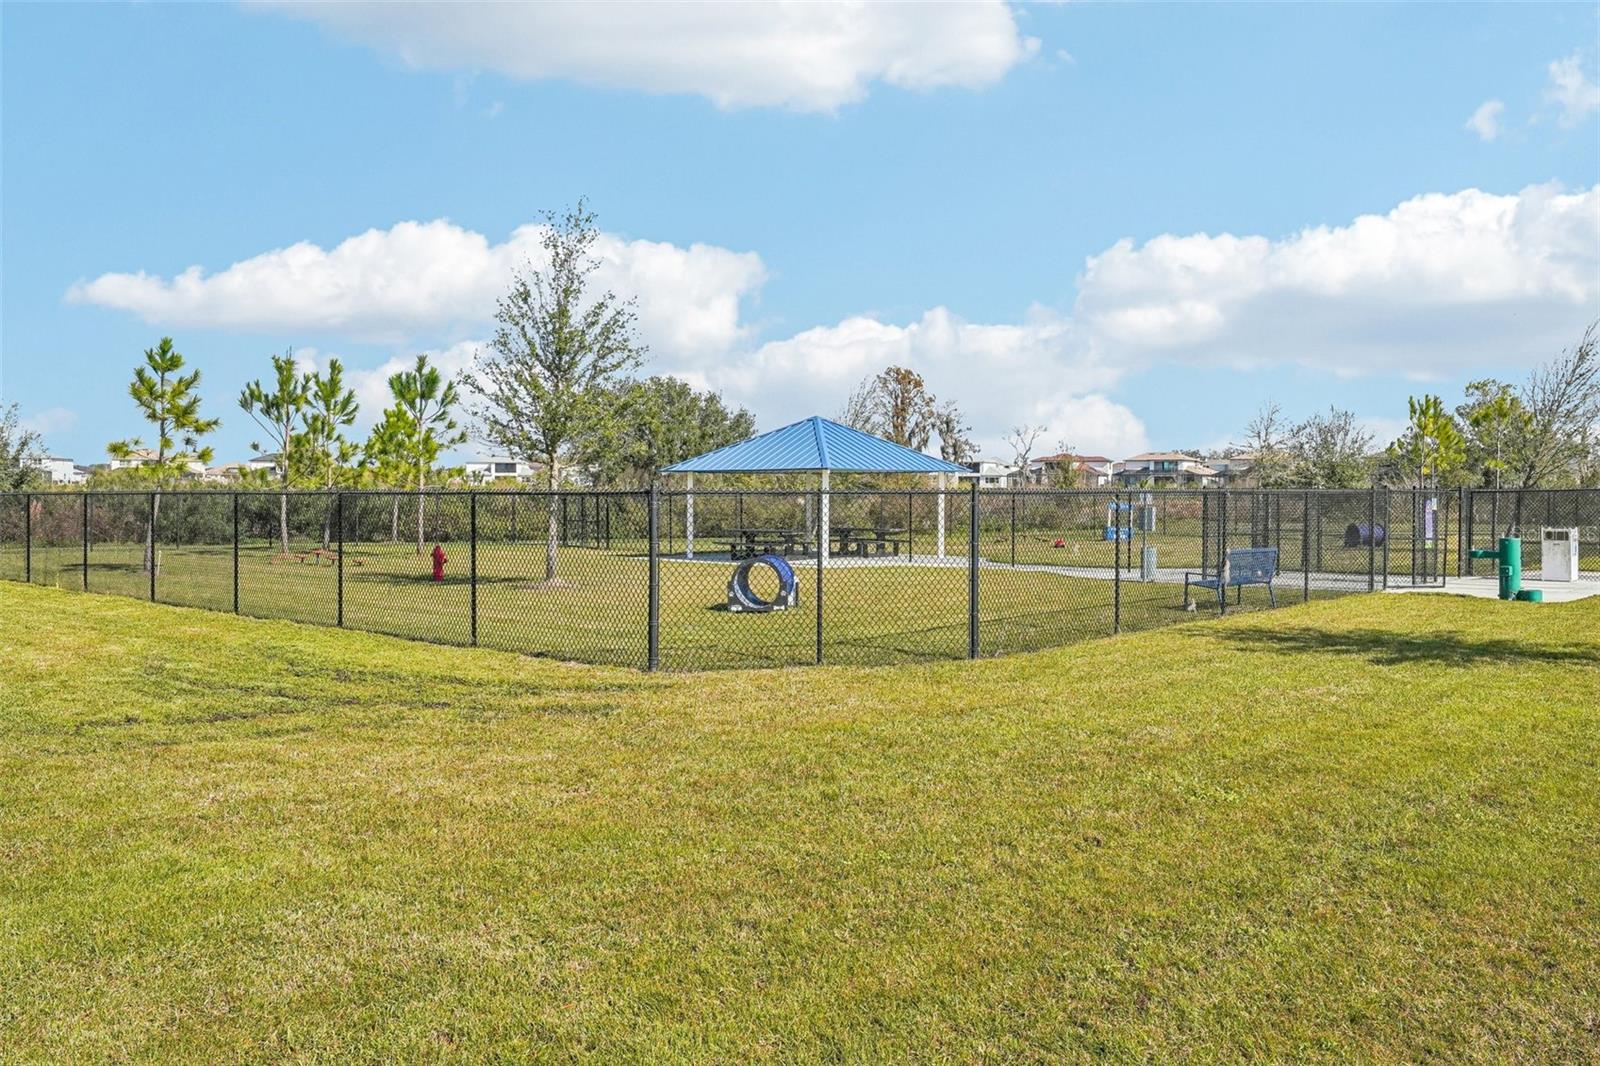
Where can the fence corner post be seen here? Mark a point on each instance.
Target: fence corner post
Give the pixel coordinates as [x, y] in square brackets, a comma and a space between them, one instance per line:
[86, 540]
[653, 523]
[27, 537]
[236, 551]
[972, 570]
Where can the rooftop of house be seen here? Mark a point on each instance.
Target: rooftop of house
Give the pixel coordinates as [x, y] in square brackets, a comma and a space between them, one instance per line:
[1147, 457]
[1068, 457]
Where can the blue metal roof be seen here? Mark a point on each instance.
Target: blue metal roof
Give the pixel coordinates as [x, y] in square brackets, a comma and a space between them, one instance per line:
[815, 444]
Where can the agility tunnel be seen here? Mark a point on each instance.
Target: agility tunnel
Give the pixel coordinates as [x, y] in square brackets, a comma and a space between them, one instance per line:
[742, 598]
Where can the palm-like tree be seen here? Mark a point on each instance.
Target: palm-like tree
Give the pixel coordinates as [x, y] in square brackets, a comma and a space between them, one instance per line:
[276, 412]
[425, 398]
[169, 401]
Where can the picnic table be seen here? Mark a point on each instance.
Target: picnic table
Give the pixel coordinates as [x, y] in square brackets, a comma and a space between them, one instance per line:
[746, 542]
[870, 540]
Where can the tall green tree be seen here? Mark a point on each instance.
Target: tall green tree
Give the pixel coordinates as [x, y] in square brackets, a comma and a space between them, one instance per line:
[951, 426]
[1330, 451]
[1432, 447]
[659, 421]
[427, 400]
[1268, 438]
[384, 459]
[277, 410]
[1553, 443]
[1494, 421]
[330, 409]
[1562, 404]
[544, 383]
[170, 401]
[20, 448]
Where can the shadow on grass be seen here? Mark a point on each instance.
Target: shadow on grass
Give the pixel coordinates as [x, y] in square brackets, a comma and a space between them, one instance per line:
[1387, 648]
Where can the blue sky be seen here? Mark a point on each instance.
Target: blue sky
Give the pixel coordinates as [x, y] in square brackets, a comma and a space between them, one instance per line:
[1129, 224]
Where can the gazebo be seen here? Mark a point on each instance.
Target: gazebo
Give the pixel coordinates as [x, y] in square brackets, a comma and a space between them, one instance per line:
[814, 446]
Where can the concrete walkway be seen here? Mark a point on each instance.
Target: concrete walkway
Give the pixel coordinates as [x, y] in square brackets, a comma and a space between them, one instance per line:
[1487, 588]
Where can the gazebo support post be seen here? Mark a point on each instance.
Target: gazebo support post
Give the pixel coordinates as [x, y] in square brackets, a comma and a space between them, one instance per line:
[823, 520]
[939, 550]
[688, 516]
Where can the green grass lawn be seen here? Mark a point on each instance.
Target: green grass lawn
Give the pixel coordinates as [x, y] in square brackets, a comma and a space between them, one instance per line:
[598, 611]
[1362, 829]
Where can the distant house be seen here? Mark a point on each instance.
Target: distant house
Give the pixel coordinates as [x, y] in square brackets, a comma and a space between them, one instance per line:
[271, 462]
[1233, 469]
[992, 474]
[147, 457]
[226, 472]
[1166, 470]
[500, 468]
[61, 471]
[1089, 471]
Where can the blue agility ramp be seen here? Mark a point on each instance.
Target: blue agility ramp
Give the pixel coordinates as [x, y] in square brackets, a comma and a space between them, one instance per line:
[743, 599]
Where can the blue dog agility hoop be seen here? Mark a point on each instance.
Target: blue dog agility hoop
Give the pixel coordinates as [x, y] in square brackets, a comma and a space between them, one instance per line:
[742, 598]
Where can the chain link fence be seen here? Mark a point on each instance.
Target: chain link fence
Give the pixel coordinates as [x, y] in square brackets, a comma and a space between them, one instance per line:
[867, 577]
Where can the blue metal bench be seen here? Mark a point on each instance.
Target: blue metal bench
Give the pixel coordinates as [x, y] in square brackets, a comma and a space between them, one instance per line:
[1243, 566]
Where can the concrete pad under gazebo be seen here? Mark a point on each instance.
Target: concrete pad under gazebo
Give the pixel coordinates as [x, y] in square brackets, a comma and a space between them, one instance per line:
[815, 446]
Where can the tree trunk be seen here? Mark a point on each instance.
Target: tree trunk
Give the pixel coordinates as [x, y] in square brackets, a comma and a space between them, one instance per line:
[553, 528]
[283, 518]
[421, 483]
[327, 518]
[150, 537]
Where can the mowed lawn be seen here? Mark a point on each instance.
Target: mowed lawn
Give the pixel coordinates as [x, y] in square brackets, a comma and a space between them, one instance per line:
[598, 609]
[1361, 829]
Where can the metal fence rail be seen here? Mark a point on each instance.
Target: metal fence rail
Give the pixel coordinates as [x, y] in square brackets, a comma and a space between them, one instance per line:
[640, 578]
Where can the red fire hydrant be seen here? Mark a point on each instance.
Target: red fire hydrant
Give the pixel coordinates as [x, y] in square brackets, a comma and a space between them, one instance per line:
[439, 559]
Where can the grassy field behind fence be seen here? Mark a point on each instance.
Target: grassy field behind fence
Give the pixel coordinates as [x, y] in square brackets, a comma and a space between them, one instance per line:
[1359, 830]
[597, 611]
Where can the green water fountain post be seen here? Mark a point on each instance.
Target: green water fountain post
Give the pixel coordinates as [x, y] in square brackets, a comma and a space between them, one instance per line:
[1509, 557]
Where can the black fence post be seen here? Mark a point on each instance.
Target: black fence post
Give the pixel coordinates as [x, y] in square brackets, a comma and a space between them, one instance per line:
[338, 501]
[972, 570]
[1205, 529]
[153, 550]
[1116, 563]
[1463, 532]
[86, 541]
[1372, 537]
[910, 524]
[1388, 526]
[653, 524]
[1013, 527]
[27, 537]
[1305, 547]
[472, 556]
[822, 540]
[235, 553]
[1222, 545]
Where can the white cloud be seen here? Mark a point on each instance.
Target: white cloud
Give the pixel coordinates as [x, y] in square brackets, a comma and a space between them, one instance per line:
[1572, 91]
[433, 278]
[1439, 283]
[1485, 121]
[371, 384]
[999, 374]
[804, 56]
